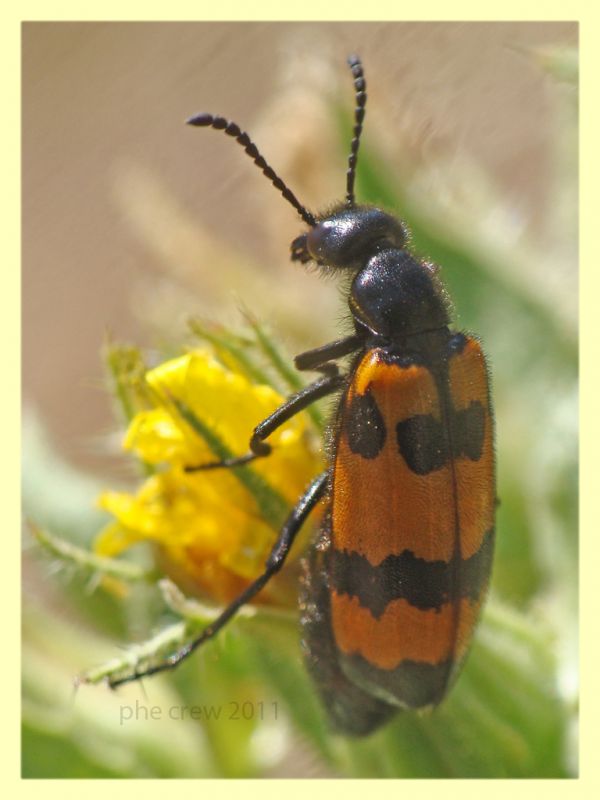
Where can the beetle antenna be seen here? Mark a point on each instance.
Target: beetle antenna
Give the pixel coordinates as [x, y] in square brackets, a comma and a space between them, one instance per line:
[242, 138]
[359, 115]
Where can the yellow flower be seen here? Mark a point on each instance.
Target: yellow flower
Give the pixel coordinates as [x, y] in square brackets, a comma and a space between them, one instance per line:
[213, 529]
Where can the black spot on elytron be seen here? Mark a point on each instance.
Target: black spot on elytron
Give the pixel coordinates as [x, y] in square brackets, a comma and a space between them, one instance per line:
[365, 426]
[422, 443]
[469, 430]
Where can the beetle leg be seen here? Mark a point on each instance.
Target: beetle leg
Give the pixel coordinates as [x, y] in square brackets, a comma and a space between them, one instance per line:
[315, 491]
[292, 406]
[313, 359]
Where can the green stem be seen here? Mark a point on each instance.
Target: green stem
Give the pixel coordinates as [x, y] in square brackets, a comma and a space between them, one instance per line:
[86, 560]
[272, 505]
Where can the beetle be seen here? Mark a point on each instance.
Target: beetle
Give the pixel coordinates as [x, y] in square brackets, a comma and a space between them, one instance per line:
[393, 585]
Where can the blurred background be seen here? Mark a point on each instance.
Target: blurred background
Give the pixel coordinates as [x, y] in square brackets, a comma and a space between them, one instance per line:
[133, 223]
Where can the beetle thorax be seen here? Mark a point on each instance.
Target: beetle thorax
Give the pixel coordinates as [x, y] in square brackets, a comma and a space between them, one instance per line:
[395, 295]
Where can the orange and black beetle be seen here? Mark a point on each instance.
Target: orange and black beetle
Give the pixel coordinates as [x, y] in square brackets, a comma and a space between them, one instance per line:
[393, 587]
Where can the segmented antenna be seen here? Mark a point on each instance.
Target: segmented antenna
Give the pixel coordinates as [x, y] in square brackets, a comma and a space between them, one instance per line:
[242, 138]
[359, 115]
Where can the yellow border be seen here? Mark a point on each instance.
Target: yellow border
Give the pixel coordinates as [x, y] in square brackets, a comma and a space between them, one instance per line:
[333, 10]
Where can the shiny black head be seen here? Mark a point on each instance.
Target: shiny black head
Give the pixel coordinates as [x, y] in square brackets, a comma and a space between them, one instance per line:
[348, 237]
